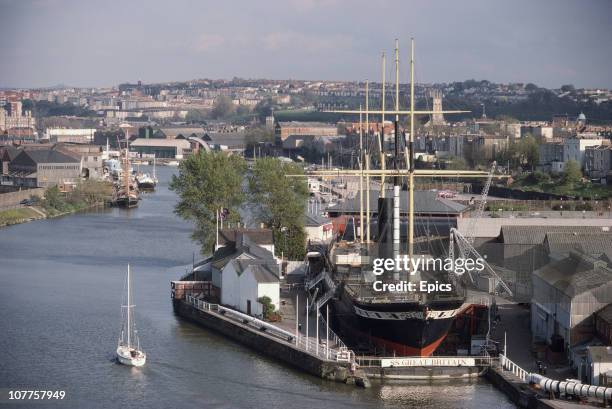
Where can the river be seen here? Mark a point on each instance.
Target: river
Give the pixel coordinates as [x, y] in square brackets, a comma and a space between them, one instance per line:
[60, 294]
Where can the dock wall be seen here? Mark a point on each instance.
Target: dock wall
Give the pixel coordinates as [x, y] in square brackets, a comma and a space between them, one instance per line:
[273, 347]
[517, 391]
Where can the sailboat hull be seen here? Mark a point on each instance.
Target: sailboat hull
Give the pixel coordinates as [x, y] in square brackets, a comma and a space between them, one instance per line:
[130, 356]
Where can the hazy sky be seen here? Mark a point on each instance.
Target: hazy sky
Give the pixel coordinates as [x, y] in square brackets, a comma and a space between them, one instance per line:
[100, 43]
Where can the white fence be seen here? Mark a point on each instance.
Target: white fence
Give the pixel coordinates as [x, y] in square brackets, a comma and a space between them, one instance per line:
[508, 365]
[322, 349]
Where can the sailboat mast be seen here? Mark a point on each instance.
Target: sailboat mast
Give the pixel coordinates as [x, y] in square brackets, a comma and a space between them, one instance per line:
[129, 307]
[411, 158]
[396, 183]
[126, 176]
[367, 160]
[381, 134]
[360, 175]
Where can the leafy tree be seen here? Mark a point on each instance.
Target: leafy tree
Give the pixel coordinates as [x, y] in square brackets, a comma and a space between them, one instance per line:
[529, 151]
[280, 202]
[571, 173]
[255, 136]
[207, 182]
[195, 115]
[456, 163]
[567, 88]
[268, 307]
[223, 107]
[264, 109]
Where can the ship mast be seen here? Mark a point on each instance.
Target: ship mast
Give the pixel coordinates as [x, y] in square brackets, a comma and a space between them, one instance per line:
[398, 173]
[410, 159]
[381, 134]
[396, 179]
[367, 162]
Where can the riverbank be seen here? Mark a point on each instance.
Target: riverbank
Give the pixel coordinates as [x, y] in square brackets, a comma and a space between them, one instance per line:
[20, 215]
[87, 195]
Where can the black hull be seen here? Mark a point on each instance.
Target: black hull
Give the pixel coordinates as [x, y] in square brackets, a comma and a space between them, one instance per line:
[126, 203]
[408, 331]
[146, 187]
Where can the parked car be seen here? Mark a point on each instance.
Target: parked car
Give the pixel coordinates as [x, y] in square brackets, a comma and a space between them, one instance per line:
[27, 202]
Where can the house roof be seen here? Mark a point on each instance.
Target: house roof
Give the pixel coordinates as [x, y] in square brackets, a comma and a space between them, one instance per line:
[160, 142]
[576, 274]
[264, 271]
[233, 140]
[242, 244]
[306, 124]
[313, 220]
[425, 202]
[536, 234]
[592, 243]
[172, 133]
[258, 236]
[43, 156]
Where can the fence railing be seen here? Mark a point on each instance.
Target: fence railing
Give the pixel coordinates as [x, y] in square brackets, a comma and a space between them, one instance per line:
[322, 349]
[508, 365]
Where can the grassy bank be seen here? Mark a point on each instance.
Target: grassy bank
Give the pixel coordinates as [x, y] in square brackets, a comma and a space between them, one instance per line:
[86, 195]
[540, 182]
[15, 216]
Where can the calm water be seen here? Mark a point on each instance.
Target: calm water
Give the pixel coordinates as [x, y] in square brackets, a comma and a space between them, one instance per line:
[60, 292]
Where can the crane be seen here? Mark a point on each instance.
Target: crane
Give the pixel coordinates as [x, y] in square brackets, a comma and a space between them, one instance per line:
[469, 234]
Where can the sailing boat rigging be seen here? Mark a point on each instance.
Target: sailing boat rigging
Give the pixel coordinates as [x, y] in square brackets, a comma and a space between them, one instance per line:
[412, 323]
[128, 347]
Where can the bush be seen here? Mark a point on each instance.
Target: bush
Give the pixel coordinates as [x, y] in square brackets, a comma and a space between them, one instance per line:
[269, 313]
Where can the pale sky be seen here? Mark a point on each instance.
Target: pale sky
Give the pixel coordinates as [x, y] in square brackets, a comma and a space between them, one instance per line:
[103, 43]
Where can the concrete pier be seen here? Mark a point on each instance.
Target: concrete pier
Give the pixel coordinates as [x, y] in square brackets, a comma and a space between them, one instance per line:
[285, 350]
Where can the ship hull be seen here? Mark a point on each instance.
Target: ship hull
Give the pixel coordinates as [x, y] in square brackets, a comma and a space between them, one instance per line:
[126, 202]
[400, 329]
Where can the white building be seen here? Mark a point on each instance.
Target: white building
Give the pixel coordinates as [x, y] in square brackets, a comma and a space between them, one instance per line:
[599, 365]
[245, 280]
[78, 135]
[573, 148]
[318, 228]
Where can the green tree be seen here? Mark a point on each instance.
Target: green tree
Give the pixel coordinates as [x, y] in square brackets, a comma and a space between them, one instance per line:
[207, 182]
[280, 202]
[268, 307]
[456, 163]
[195, 115]
[529, 152]
[255, 136]
[572, 173]
[223, 107]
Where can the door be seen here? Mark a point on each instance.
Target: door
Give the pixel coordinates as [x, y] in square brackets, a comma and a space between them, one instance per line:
[249, 307]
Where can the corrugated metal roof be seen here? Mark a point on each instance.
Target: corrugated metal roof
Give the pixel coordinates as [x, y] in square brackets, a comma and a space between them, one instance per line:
[576, 274]
[593, 243]
[425, 202]
[529, 234]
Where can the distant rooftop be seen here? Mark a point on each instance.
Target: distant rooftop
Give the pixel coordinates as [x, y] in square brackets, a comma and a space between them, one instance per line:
[425, 203]
[576, 274]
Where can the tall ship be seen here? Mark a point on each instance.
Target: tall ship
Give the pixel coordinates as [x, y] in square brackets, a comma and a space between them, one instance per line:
[126, 189]
[396, 321]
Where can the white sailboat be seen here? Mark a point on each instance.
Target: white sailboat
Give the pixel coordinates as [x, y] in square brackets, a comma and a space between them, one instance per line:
[128, 348]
